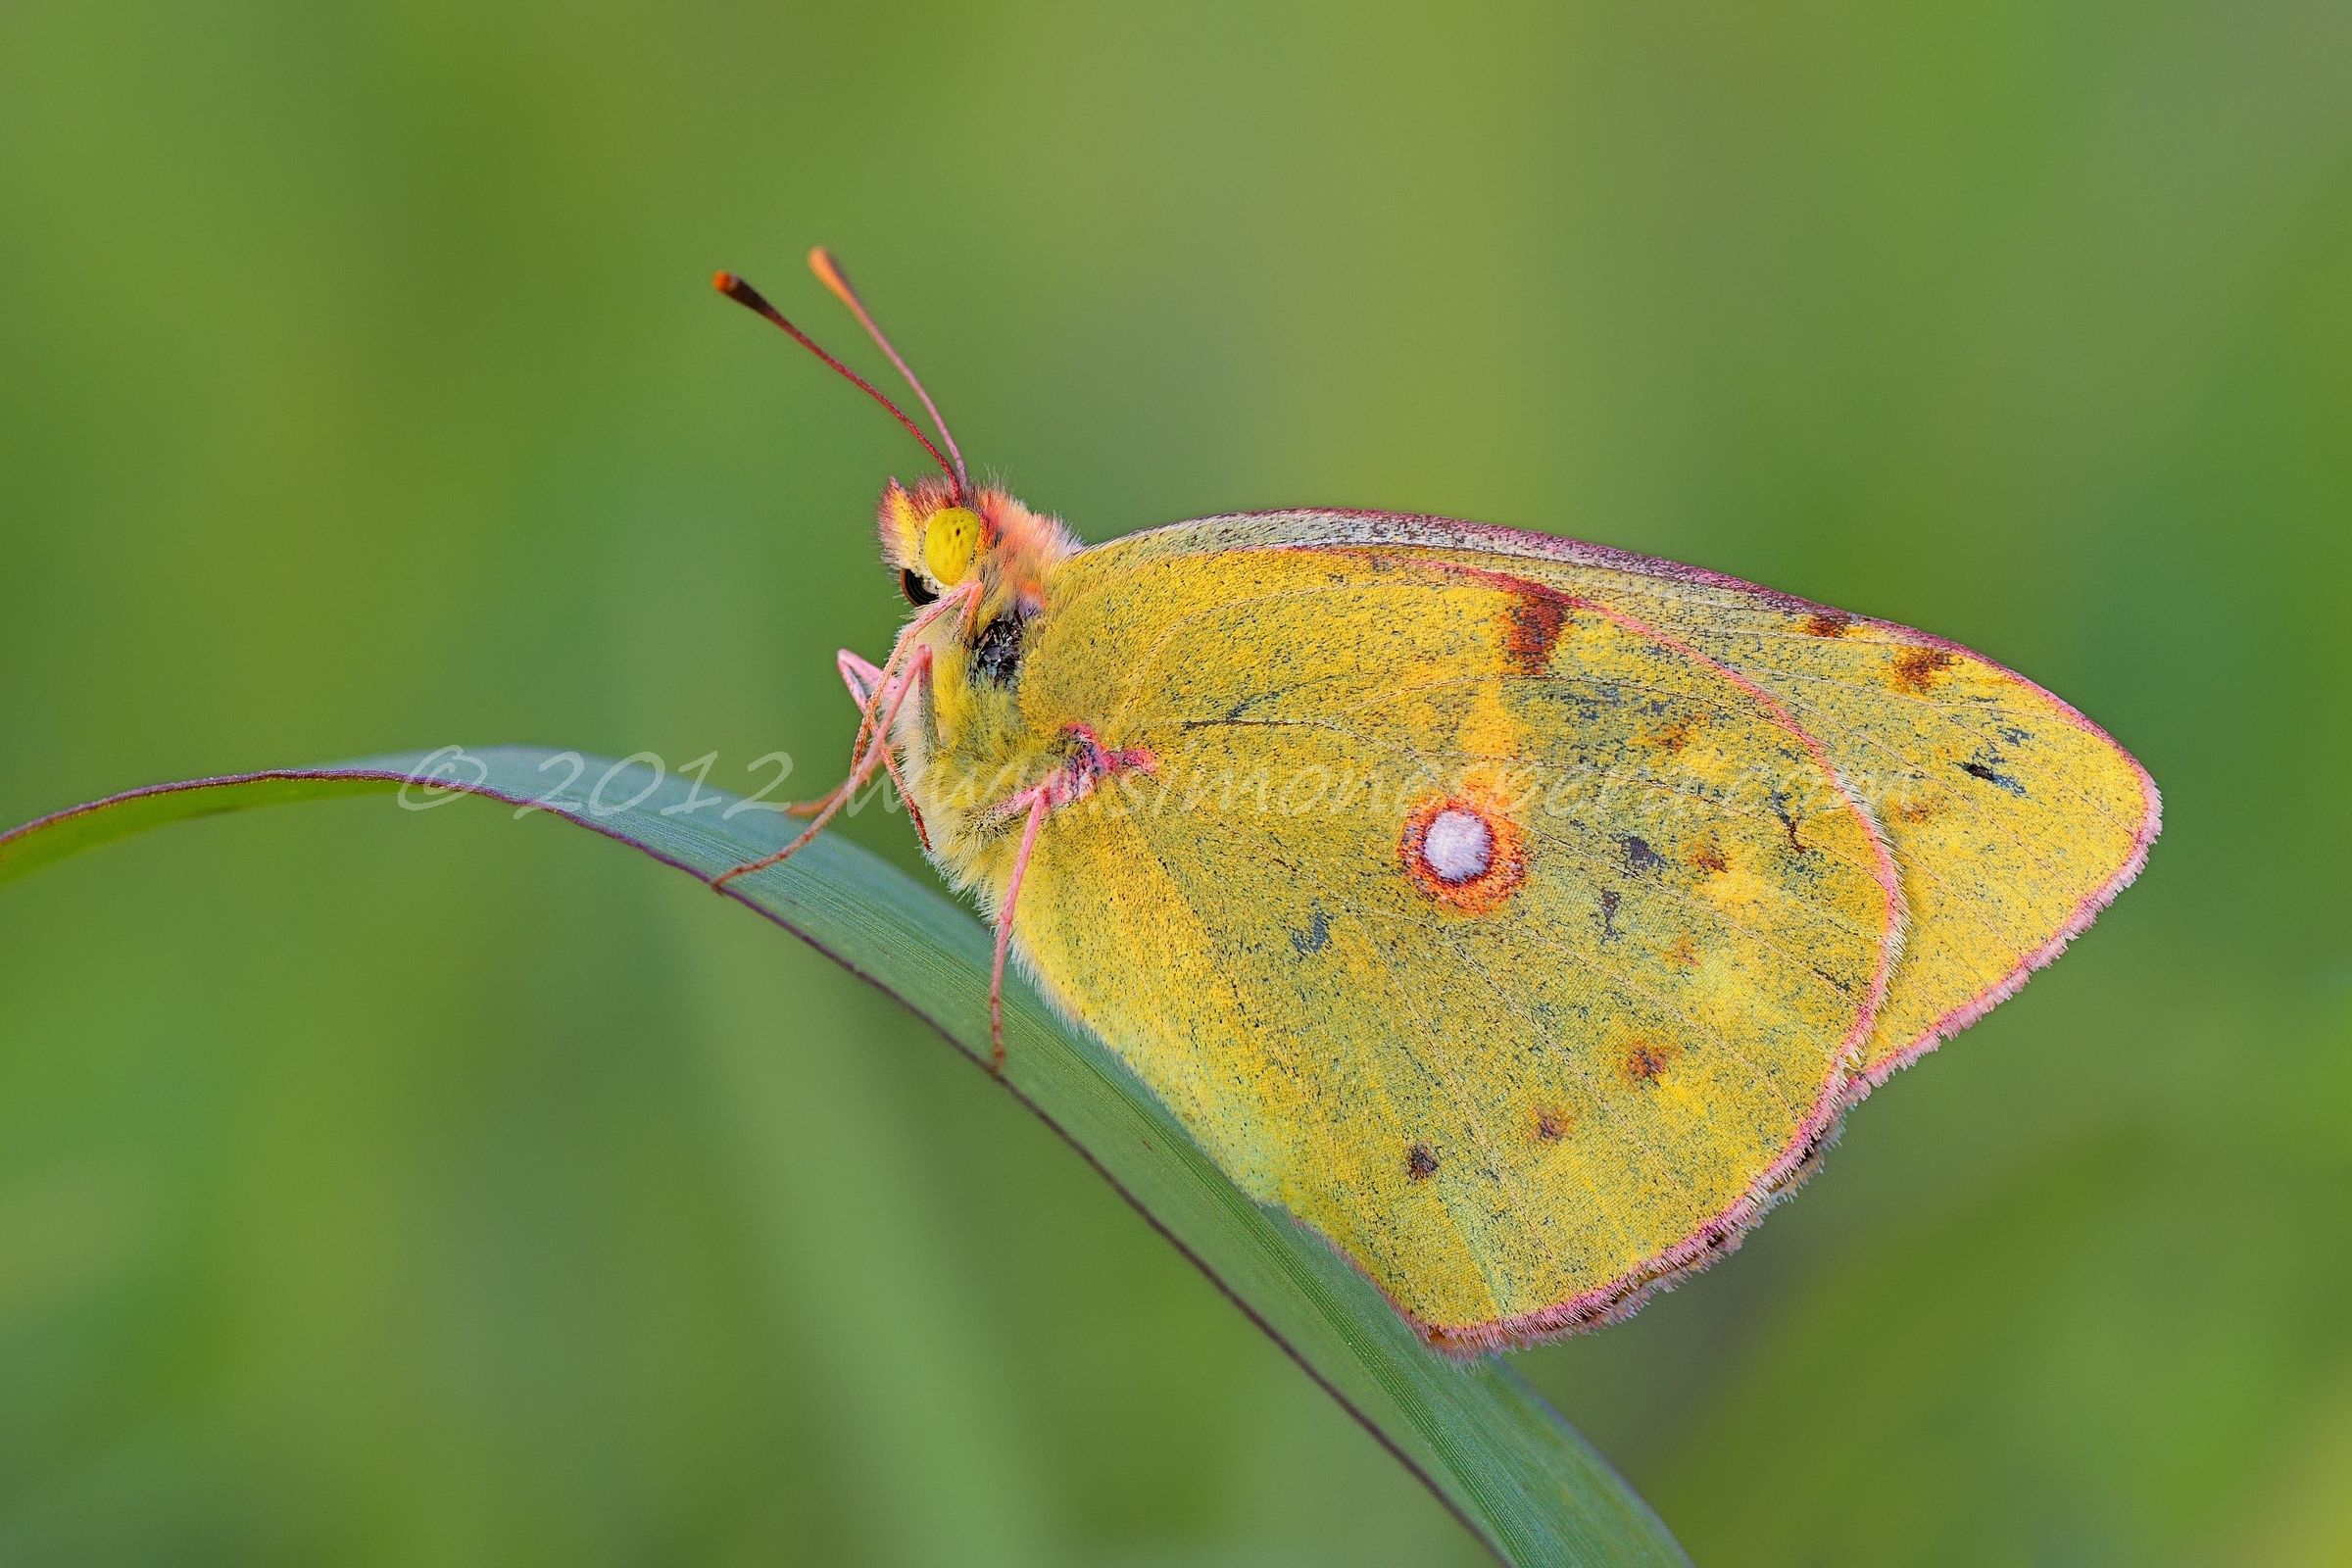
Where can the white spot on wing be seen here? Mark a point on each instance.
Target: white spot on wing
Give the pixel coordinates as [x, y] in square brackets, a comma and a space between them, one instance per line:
[1458, 845]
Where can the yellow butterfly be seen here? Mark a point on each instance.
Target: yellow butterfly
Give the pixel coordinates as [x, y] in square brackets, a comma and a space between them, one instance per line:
[1521, 915]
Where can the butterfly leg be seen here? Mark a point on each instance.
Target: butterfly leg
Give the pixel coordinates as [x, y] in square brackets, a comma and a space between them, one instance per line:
[871, 749]
[862, 677]
[1088, 763]
[866, 681]
[874, 742]
[1039, 800]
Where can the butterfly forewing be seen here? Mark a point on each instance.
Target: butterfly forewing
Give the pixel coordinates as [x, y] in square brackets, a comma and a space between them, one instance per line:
[2013, 818]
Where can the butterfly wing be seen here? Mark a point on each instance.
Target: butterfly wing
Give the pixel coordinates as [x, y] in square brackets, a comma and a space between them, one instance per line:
[2013, 818]
[1515, 943]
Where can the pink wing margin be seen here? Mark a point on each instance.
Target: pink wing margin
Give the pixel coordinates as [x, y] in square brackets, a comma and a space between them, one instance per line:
[1308, 527]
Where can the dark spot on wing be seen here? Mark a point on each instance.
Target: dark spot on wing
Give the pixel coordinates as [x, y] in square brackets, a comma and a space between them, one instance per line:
[997, 652]
[1534, 623]
[1639, 855]
[1550, 1126]
[1608, 914]
[1674, 737]
[1645, 1061]
[1915, 669]
[1780, 808]
[1420, 1163]
[1989, 771]
[1315, 936]
[1922, 808]
[1825, 623]
[1708, 856]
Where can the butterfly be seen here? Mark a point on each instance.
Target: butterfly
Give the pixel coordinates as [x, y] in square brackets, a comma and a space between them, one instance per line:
[1520, 915]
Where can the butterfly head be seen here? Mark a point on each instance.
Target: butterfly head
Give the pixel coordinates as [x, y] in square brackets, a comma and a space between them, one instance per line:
[938, 538]
[939, 534]
[930, 537]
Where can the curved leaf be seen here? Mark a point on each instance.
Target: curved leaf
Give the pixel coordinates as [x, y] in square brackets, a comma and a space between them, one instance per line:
[1501, 1459]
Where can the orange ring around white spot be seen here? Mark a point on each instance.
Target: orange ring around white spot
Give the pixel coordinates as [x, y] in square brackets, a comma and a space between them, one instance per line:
[1463, 851]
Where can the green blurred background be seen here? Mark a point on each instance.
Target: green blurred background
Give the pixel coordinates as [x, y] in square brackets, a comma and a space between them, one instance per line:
[419, 1190]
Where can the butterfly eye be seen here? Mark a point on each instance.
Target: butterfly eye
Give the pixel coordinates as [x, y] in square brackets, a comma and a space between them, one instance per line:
[917, 591]
[949, 539]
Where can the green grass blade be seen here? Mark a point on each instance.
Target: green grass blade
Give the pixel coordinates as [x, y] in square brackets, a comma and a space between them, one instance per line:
[1508, 1466]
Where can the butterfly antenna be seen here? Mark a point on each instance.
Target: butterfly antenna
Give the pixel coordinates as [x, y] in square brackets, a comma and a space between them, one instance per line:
[828, 272]
[751, 299]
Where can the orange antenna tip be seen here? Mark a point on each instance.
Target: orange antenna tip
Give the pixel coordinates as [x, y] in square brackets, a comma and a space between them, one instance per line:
[828, 272]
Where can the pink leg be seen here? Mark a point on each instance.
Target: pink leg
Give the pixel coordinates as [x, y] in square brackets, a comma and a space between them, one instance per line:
[855, 674]
[1040, 800]
[868, 684]
[861, 770]
[862, 679]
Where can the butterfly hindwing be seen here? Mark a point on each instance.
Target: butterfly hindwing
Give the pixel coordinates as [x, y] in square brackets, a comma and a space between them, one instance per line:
[1519, 945]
